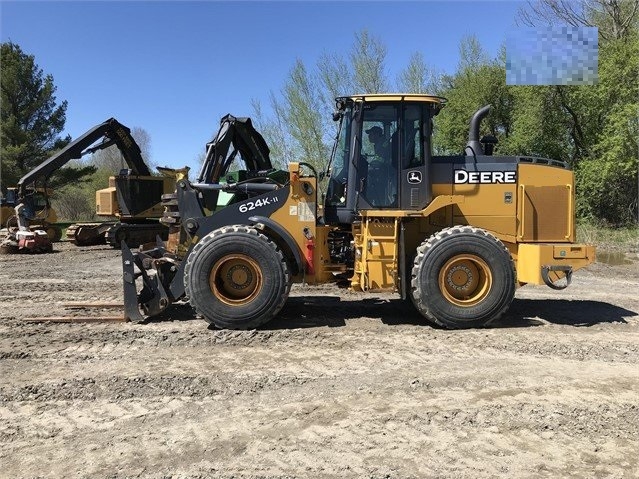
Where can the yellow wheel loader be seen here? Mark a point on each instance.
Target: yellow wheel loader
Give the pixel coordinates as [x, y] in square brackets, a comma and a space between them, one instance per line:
[454, 234]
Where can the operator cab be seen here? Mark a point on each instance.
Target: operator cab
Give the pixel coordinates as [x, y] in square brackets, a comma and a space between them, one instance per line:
[382, 155]
[10, 198]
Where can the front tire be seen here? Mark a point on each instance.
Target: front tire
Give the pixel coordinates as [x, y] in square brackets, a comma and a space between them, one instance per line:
[462, 277]
[237, 278]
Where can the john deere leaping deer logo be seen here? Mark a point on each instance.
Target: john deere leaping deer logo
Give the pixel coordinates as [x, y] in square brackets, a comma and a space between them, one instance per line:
[414, 177]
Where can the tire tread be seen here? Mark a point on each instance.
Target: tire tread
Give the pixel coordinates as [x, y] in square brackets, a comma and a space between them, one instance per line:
[237, 229]
[427, 245]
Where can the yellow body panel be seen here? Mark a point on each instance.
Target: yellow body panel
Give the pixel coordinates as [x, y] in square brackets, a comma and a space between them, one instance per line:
[376, 255]
[106, 202]
[546, 204]
[298, 218]
[488, 206]
[532, 257]
[533, 218]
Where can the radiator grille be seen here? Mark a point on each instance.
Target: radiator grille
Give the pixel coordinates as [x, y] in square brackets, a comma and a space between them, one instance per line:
[546, 212]
[104, 204]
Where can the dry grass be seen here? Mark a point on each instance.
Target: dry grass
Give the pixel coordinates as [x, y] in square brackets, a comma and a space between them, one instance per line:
[609, 239]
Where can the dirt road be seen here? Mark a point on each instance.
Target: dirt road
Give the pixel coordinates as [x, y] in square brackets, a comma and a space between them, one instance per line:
[340, 385]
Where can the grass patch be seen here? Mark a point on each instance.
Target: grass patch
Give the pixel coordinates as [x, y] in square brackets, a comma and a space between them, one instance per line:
[609, 239]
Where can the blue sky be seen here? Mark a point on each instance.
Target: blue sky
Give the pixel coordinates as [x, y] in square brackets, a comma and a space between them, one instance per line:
[175, 68]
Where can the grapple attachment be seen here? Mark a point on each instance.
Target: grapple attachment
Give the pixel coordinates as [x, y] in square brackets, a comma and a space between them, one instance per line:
[155, 269]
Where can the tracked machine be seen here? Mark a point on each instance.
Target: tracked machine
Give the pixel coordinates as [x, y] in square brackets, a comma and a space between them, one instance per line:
[454, 234]
[132, 197]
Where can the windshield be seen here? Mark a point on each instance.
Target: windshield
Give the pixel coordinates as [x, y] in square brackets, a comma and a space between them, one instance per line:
[336, 194]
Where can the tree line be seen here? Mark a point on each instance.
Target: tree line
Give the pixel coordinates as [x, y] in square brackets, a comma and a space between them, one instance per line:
[595, 128]
[31, 123]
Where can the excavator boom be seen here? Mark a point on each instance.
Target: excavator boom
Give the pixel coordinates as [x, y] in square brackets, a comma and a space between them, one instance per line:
[111, 131]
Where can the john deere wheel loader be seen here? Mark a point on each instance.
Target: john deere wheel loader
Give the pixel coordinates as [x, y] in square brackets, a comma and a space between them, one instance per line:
[455, 234]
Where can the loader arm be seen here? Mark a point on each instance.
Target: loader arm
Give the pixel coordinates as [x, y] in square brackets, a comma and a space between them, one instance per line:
[194, 204]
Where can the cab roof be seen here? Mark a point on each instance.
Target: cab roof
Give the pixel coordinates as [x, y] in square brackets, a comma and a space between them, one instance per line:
[393, 97]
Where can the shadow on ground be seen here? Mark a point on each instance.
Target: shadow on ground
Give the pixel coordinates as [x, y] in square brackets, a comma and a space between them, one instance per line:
[533, 312]
[333, 311]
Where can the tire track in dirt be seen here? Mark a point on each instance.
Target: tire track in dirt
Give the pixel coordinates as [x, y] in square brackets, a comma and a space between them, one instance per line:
[301, 434]
[340, 385]
[23, 340]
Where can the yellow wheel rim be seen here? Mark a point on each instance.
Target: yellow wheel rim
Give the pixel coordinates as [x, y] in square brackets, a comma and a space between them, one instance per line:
[465, 280]
[236, 279]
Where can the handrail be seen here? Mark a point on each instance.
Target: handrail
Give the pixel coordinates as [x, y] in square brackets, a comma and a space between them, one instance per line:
[570, 212]
[522, 203]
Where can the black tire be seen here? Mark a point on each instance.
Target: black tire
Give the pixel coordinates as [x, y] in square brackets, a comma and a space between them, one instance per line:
[237, 278]
[9, 247]
[54, 233]
[462, 277]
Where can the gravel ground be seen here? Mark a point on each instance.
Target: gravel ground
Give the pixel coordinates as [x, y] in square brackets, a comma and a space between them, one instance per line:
[339, 385]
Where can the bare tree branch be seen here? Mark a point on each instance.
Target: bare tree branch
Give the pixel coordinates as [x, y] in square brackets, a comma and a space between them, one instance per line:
[613, 18]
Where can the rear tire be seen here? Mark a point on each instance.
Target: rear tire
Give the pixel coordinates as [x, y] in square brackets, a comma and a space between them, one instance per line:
[462, 277]
[237, 278]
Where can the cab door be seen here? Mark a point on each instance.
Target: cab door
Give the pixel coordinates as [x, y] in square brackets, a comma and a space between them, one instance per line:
[414, 153]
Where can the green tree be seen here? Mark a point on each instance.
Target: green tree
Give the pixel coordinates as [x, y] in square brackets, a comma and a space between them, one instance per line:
[368, 60]
[601, 120]
[299, 127]
[30, 118]
[111, 158]
[539, 126]
[302, 112]
[274, 131]
[478, 81]
[608, 173]
[336, 76]
[417, 77]
[614, 19]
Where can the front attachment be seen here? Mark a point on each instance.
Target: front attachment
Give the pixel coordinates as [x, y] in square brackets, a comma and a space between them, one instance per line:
[153, 298]
[26, 241]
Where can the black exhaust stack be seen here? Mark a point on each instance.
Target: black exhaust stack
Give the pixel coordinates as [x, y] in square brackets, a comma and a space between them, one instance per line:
[473, 132]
